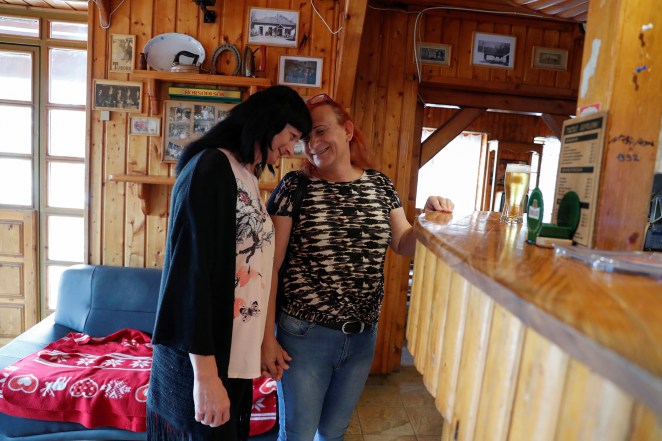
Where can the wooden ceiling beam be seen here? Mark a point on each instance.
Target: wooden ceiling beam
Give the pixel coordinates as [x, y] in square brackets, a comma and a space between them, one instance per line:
[568, 4]
[446, 133]
[498, 101]
[555, 123]
[348, 56]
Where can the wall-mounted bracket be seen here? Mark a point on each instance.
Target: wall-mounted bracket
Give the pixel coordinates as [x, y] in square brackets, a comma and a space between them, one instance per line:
[209, 16]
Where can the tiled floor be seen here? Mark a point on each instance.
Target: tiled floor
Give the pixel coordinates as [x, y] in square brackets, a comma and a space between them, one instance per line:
[393, 407]
[396, 407]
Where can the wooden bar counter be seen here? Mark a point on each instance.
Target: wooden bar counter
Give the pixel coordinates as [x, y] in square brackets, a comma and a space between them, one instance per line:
[515, 343]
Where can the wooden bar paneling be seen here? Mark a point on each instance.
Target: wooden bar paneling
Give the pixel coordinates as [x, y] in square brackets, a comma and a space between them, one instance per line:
[441, 287]
[500, 377]
[517, 377]
[472, 365]
[451, 353]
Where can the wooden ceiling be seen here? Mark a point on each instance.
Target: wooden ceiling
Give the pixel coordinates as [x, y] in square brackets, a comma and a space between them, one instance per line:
[565, 10]
[64, 5]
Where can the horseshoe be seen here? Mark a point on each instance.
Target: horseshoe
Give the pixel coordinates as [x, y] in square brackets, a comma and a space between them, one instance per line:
[217, 53]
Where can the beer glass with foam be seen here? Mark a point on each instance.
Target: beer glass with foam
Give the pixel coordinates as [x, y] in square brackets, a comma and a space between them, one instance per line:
[516, 187]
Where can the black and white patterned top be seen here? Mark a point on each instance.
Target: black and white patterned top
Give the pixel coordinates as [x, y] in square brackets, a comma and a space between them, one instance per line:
[335, 268]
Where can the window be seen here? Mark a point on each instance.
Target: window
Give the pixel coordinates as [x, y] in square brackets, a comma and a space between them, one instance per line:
[43, 87]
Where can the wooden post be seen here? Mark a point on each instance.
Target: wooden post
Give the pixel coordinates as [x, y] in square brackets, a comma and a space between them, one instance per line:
[623, 41]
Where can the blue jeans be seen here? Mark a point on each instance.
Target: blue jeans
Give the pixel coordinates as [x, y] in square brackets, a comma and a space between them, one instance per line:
[319, 392]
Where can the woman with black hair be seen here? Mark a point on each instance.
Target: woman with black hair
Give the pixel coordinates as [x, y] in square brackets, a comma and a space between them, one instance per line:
[217, 273]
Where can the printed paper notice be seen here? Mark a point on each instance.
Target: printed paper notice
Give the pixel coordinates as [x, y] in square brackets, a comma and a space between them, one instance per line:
[579, 169]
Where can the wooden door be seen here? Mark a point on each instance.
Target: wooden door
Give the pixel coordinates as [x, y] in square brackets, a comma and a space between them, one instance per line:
[18, 273]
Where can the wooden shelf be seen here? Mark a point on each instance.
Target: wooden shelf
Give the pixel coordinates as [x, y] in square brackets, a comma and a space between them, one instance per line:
[155, 77]
[145, 184]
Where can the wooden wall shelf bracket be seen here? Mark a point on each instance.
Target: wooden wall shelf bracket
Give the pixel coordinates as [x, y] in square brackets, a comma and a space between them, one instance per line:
[145, 184]
[104, 12]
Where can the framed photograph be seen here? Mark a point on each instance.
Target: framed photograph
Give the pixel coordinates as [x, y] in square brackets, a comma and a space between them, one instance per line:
[431, 53]
[273, 27]
[122, 52]
[122, 96]
[300, 71]
[143, 125]
[549, 58]
[493, 50]
[187, 121]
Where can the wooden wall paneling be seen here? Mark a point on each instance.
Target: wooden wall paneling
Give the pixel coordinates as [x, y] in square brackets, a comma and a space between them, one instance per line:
[409, 130]
[423, 320]
[96, 145]
[348, 52]
[114, 211]
[550, 38]
[522, 60]
[137, 147]
[432, 28]
[451, 36]
[323, 44]
[464, 67]
[501, 372]
[420, 275]
[538, 397]
[564, 77]
[209, 34]
[501, 75]
[366, 84]
[187, 18]
[415, 162]
[438, 308]
[481, 73]
[472, 365]
[533, 38]
[396, 157]
[452, 348]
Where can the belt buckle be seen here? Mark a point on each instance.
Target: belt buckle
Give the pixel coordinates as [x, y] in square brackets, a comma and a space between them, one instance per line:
[351, 323]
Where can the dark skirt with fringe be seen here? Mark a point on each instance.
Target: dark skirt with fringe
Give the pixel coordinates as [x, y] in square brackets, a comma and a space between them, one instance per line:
[170, 407]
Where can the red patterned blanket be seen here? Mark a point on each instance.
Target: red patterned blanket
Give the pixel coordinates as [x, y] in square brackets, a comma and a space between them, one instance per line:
[92, 381]
[99, 382]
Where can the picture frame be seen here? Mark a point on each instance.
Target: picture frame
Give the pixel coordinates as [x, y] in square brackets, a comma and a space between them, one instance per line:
[121, 96]
[434, 53]
[493, 50]
[186, 121]
[122, 52]
[550, 58]
[300, 71]
[273, 27]
[144, 125]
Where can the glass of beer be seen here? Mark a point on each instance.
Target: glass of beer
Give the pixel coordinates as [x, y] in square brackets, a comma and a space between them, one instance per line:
[516, 187]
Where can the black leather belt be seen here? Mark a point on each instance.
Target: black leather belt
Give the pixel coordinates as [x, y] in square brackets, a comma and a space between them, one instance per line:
[353, 327]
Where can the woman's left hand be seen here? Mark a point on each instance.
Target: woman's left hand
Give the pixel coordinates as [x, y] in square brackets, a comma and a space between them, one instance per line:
[437, 203]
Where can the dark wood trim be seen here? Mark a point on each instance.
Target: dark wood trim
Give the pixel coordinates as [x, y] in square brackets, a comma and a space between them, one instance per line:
[487, 100]
[446, 133]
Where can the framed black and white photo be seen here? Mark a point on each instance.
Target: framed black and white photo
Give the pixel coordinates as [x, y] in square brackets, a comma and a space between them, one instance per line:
[432, 53]
[122, 96]
[493, 50]
[273, 27]
[186, 121]
[300, 71]
[122, 52]
[549, 58]
[144, 125]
